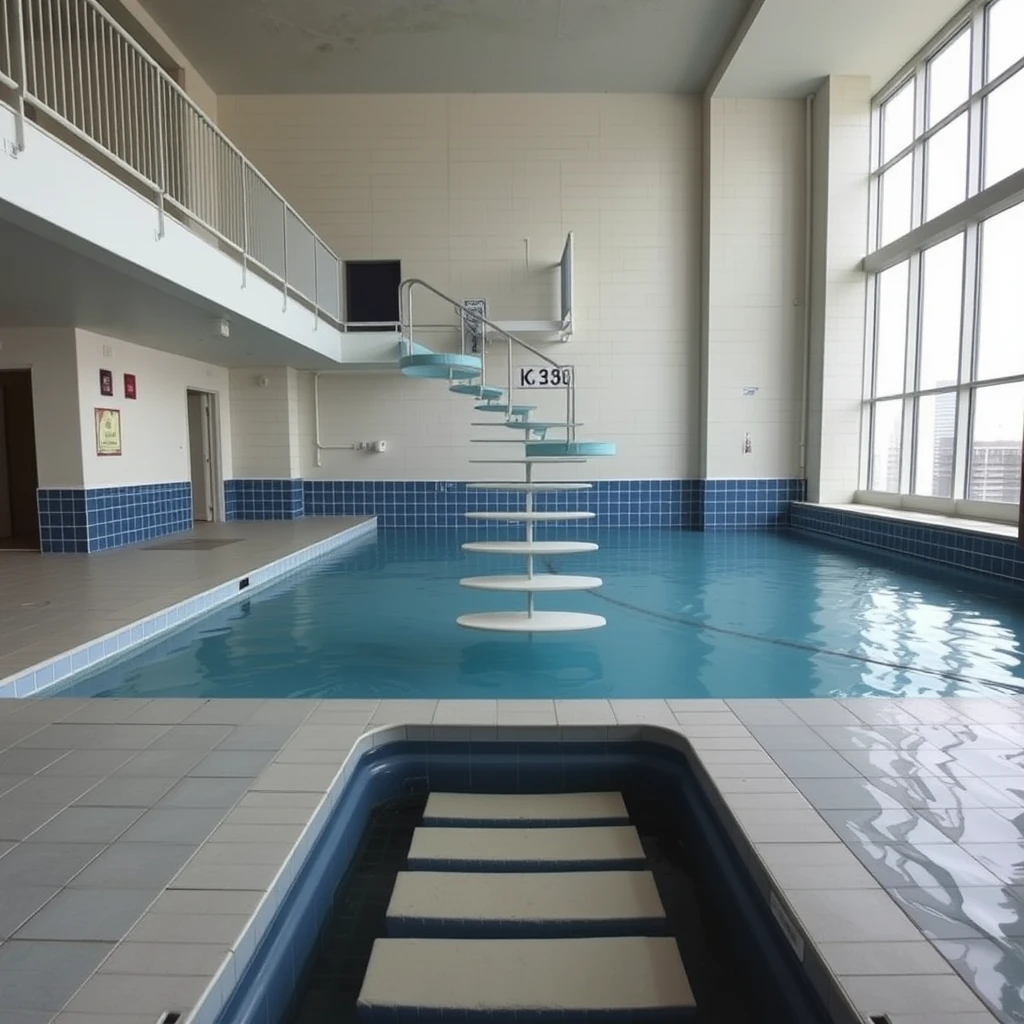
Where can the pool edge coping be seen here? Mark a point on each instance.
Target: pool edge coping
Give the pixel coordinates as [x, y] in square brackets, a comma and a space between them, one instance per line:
[59, 669]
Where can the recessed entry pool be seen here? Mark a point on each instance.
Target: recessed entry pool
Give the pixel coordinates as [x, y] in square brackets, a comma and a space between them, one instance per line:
[689, 615]
[531, 882]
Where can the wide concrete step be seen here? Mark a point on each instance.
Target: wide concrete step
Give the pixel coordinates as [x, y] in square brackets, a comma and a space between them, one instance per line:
[517, 979]
[450, 904]
[520, 809]
[596, 848]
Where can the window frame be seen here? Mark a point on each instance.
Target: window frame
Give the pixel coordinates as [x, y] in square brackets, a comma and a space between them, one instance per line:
[966, 218]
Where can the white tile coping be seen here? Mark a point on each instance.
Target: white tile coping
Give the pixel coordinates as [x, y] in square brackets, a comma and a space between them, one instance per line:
[59, 669]
[807, 917]
[987, 527]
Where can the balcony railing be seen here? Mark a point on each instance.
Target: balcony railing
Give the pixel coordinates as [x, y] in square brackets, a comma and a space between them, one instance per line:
[68, 65]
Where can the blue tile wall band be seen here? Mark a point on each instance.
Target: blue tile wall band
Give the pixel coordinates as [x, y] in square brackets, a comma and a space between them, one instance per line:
[977, 552]
[263, 499]
[686, 504]
[95, 519]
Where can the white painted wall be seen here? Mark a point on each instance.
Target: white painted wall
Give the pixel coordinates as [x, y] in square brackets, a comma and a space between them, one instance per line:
[264, 423]
[452, 185]
[154, 427]
[755, 300]
[50, 354]
[842, 122]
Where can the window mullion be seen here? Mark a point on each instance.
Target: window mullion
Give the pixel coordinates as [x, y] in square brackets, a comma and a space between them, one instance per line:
[913, 342]
[919, 176]
[968, 343]
[975, 121]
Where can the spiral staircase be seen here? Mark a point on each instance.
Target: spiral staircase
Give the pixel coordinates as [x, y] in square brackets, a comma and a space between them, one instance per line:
[540, 443]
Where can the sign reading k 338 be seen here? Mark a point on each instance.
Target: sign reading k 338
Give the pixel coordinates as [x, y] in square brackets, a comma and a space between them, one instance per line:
[545, 376]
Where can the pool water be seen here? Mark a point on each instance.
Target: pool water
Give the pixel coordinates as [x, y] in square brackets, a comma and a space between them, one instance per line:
[689, 614]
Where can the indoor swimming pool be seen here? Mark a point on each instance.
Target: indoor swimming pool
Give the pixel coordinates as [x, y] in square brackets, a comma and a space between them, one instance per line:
[689, 615]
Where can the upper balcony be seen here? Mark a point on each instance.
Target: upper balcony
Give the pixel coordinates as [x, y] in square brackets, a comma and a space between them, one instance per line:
[107, 157]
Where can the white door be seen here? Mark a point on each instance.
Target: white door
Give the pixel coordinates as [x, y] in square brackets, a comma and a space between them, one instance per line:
[200, 450]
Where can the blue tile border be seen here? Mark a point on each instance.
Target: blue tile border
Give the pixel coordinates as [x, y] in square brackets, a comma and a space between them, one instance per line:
[983, 553]
[96, 519]
[684, 504]
[34, 681]
[263, 499]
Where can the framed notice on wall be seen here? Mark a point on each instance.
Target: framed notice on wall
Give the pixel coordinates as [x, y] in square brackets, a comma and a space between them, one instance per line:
[108, 431]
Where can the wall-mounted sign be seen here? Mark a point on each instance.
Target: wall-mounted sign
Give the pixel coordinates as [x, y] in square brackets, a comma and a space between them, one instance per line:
[108, 431]
[749, 391]
[544, 376]
[129, 386]
[106, 382]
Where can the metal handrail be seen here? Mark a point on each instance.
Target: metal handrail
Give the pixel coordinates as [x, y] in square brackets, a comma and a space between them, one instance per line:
[405, 290]
[71, 60]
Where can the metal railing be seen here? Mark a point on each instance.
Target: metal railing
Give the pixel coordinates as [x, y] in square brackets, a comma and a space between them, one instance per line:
[70, 62]
[489, 328]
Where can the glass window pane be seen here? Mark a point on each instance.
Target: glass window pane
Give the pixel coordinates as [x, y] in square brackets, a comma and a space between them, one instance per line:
[946, 168]
[895, 199]
[1004, 137]
[949, 77]
[933, 457]
[1005, 39]
[1001, 324]
[898, 122]
[997, 426]
[886, 441]
[891, 329]
[941, 294]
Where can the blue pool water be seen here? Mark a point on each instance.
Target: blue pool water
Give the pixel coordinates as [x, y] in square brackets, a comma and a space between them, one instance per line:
[689, 615]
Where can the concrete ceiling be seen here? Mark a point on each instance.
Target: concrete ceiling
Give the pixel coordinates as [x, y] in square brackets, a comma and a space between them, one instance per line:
[394, 46]
[52, 284]
[793, 44]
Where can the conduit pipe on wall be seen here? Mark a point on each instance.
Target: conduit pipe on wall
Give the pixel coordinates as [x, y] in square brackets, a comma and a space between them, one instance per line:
[808, 235]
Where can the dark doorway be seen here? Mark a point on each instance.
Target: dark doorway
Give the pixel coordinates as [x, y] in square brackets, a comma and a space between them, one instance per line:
[19, 518]
[371, 293]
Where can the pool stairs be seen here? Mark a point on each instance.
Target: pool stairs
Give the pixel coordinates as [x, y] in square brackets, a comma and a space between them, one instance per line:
[520, 907]
[467, 374]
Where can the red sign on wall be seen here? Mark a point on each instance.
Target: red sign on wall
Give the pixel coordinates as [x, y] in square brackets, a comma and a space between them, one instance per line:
[129, 386]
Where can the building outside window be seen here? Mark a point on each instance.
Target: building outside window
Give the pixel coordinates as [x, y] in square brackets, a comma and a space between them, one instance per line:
[944, 408]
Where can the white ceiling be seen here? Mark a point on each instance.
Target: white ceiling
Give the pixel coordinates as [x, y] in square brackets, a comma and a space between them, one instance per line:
[793, 44]
[394, 46]
[50, 284]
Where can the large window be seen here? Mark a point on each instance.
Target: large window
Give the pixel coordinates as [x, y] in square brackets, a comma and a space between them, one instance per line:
[944, 413]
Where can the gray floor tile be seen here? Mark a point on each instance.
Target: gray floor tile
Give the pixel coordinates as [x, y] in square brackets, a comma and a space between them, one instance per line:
[257, 737]
[87, 762]
[197, 903]
[88, 915]
[821, 712]
[994, 971]
[214, 928]
[87, 825]
[10, 782]
[787, 737]
[18, 822]
[851, 915]
[872, 737]
[974, 912]
[128, 791]
[201, 792]
[896, 825]
[763, 712]
[18, 905]
[923, 761]
[233, 764]
[163, 764]
[253, 877]
[875, 958]
[44, 975]
[296, 778]
[973, 825]
[814, 764]
[844, 794]
[47, 864]
[43, 791]
[937, 864]
[18, 761]
[174, 825]
[933, 994]
[83, 736]
[190, 736]
[227, 712]
[150, 993]
[1010, 790]
[175, 958]
[930, 791]
[1004, 860]
[135, 866]
[814, 866]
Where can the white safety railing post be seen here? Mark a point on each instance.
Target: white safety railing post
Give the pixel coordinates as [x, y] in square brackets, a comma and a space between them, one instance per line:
[21, 77]
[284, 243]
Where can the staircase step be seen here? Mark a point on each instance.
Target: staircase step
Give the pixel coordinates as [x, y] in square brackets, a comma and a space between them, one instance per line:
[520, 487]
[537, 622]
[569, 449]
[540, 584]
[517, 410]
[521, 809]
[531, 461]
[531, 905]
[441, 365]
[589, 848]
[478, 390]
[528, 547]
[530, 517]
[573, 980]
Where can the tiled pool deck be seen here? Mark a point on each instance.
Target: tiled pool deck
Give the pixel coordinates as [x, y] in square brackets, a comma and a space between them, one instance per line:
[143, 844]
